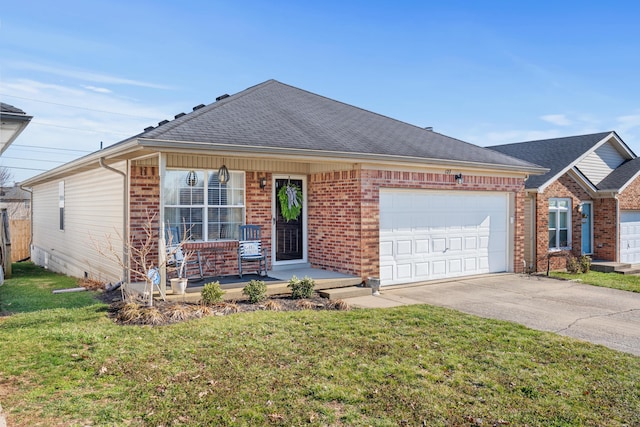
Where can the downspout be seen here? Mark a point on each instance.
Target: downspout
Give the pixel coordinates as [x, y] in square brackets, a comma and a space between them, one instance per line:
[125, 216]
[617, 222]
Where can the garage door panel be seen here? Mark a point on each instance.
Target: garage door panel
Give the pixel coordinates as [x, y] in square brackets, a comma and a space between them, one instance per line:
[437, 235]
[422, 269]
[455, 265]
[470, 243]
[404, 247]
[630, 237]
[439, 244]
[455, 244]
[470, 264]
[422, 246]
[404, 270]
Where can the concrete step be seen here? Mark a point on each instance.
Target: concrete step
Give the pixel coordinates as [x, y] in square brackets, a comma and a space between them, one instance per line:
[628, 270]
[342, 293]
[608, 267]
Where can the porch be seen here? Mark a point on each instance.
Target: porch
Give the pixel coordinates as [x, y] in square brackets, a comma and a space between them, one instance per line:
[328, 284]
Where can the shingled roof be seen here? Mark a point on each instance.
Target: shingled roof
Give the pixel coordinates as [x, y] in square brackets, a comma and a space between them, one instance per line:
[6, 108]
[556, 154]
[279, 116]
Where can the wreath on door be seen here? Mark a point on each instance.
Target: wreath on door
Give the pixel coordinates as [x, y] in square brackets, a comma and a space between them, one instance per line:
[290, 197]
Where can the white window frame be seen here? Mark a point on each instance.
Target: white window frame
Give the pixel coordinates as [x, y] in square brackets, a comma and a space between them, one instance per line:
[205, 206]
[555, 206]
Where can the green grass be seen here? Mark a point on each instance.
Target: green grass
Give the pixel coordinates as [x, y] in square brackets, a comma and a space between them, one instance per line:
[607, 280]
[415, 365]
[30, 289]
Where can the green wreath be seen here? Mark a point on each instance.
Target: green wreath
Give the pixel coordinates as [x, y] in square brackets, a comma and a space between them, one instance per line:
[290, 197]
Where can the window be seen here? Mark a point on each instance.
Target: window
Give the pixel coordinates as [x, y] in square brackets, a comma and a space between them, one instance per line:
[208, 209]
[61, 204]
[559, 223]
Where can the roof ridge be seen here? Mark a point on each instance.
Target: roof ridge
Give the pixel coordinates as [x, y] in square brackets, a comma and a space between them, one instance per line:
[553, 139]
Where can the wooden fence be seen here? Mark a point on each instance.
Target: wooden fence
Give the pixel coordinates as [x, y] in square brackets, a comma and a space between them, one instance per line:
[20, 230]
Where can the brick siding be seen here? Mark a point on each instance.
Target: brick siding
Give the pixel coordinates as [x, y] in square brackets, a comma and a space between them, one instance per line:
[343, 214]
[604, 224]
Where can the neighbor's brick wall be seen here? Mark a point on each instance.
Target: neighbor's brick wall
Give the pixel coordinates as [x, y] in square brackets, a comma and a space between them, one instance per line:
[336, 198]
[605, 230]
[629, 199]
[604, 227]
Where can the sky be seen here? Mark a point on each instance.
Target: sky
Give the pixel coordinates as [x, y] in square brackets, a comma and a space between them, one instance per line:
[486, 72]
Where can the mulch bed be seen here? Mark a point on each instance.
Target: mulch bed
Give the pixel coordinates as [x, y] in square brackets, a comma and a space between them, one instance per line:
[168, 312]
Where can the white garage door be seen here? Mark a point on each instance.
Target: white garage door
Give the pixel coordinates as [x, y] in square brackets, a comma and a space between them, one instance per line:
[630, 237]
[426, 235]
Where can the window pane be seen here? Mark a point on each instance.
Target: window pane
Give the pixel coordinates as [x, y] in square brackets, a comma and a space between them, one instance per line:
[224, 222]
[552, 239]
[564, 241]
[185, 218]
[553, 203]
[178, 192]
[563, 219]
[563, 204]
[552, 220]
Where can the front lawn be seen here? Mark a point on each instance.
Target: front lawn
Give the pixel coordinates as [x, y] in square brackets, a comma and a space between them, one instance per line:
[415, 365]
[624, 282]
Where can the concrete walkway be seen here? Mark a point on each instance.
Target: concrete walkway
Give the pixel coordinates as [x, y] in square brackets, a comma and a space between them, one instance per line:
[598, 315]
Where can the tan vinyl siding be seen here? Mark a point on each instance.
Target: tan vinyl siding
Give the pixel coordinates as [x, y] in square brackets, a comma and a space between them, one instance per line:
[93, 209]
[597, 165]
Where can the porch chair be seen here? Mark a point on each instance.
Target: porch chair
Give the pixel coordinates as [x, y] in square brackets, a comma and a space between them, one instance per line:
[175, 254]
[250, 248]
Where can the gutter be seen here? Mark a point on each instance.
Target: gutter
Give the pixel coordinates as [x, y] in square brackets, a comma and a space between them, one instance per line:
[125, 216]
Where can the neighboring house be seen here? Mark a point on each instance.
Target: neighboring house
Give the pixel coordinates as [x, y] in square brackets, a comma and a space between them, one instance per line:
[16, 201]
[588, 203]
[381, 198]
[12, 122]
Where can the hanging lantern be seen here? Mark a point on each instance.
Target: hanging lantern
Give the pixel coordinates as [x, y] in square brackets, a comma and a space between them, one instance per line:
[223, 175]
[192, 178]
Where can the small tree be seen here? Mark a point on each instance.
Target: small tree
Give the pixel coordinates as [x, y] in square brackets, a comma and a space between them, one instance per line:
[138, 256]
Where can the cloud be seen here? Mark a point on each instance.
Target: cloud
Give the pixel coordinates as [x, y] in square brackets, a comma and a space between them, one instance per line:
[97, 89]
[73, 117]
[557, 119]
[83, 75]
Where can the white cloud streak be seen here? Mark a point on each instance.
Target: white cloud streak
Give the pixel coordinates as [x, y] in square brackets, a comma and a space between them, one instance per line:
[557, 119]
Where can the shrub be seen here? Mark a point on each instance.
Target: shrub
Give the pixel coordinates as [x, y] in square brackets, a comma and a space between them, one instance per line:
[585, 263]
[301, 288]
[256, 290]
[573, 265]
[212, 293]
[273, 305]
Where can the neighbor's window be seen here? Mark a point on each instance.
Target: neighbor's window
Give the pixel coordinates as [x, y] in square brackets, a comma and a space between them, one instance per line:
[209, 210]
[61, 204]
[559, 223]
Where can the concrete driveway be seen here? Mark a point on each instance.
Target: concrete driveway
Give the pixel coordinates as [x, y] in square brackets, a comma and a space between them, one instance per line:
[599, 315]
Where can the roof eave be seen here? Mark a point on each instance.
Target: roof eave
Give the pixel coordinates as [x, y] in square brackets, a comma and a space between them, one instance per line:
[276, 152]
[119, 152]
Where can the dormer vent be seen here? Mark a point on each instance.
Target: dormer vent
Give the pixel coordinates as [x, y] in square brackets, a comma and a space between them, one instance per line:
[221, 97]
[197, 107]
[148, 128]
[177, 116]
[164, 122]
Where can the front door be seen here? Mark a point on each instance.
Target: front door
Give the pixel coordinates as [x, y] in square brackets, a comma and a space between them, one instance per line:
[587, 228]
[290, 236]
